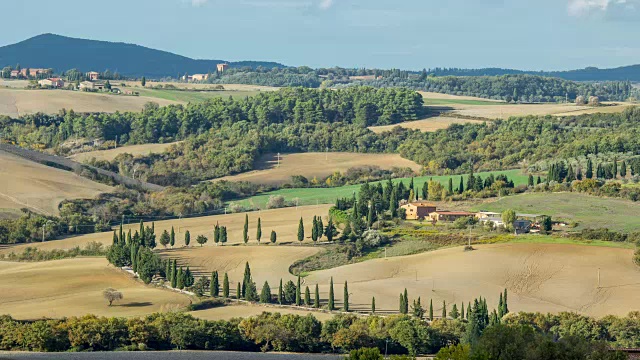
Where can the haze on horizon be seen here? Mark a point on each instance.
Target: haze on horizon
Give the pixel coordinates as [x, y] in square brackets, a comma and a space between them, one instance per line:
[407, 34]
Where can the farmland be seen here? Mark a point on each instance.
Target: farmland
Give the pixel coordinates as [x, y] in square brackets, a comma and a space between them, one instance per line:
[15, 102]
[135, 150]
[426, 125]
[318, 165]
[308, 196]
[539, 277]
[73, 287]
[587, 211]
[40, 188]
[283, 221]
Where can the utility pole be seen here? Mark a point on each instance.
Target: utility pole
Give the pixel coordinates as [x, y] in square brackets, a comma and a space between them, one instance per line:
[598, 278]
[278, 159]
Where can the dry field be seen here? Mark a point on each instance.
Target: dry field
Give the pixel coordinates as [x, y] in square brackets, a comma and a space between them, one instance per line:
[26, 184]
[439, 96]
[283, 221]
[268, 263]
[243, 311]
[181, 85]
[109, 155]
[14, 84]
[425, 125]
[317, 165]
[20, 102]
[539, 277]
[73, 287]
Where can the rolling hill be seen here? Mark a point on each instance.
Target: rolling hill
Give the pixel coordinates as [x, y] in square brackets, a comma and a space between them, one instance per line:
[622, 73]
[63, 53]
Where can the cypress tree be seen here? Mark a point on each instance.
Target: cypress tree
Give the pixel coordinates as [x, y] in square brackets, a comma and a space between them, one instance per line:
[259, 231]
[615, 167]
[215, 284]
[393, 204]
[180, 282]
[174, 274]
[301, 231]
[450, 186]
[273, 237]
[239, 291]
[167, 271]
[115, 238]
[121, 235]
[431, 310]
[530, 180]
[307, 296]
[401, 304]
[245, 230]
[373, 305]
[216, 234]
[538, 180]
[425, 190]
[500, 306]
[623, 169]
[314, 230]
[329, 231]
[346, 297]
[461, 186]
[265, 295]
[246, 279]
[187, 238]
[454, 312]
[316, 299]
[225, 286]
[370, 216]
[172, 240]
[280, 293]
[320, 227]
[505, 309]
[406, 302]
[331, 299]
[469, 311]
[444, 309]
[223, 235]
[298, 293]
[589, 172]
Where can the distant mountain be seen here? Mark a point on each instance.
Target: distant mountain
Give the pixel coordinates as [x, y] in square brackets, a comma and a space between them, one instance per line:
[63, 53]
[624, 73]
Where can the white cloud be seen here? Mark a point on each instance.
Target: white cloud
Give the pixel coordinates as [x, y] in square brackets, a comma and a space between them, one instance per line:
[609, 8]
[325, 4]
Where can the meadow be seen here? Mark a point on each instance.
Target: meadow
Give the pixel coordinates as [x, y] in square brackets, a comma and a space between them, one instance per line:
[17, 102]
[311, 196]
[40, 188]
[73, 287]
[426, 125]
[588, 212]
[110, 154]
[540, 277]
[319, 165]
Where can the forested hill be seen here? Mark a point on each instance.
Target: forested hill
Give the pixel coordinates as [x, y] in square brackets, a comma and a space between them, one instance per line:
[63, 53]
[623, 73]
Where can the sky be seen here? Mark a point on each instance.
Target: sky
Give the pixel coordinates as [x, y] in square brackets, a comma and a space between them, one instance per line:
[405, 34]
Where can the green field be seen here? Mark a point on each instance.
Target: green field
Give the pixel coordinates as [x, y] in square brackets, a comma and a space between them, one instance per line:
[589, 212]
[193, 96]
[312, 196]
[428, 101]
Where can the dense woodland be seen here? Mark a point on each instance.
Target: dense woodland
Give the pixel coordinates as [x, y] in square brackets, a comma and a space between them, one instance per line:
[515, 86]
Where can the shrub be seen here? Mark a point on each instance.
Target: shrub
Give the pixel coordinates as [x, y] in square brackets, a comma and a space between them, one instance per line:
[276, 202]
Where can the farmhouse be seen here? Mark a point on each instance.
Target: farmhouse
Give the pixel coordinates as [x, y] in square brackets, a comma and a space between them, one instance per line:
[487, 215]
[34, 72]
[449, 215]
[90, 85]
[93, 76]
[15, 73]
[51, 82]
[418, 210]
[223, 67]
[199, 77]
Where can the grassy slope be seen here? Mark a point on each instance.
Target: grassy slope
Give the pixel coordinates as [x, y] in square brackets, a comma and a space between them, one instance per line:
[312, 196]
[589, 211]
[428, 101]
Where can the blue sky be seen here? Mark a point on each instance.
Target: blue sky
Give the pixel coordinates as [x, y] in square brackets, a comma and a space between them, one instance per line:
[407, 34]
